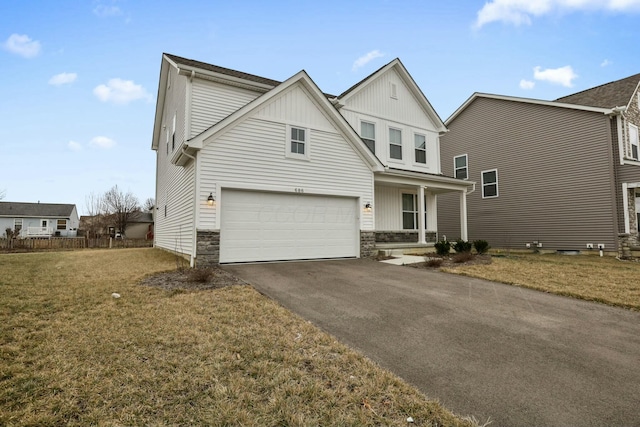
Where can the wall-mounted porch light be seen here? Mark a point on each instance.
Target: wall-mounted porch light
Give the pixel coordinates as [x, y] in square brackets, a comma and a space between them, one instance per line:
[367, 207]
[210, 199]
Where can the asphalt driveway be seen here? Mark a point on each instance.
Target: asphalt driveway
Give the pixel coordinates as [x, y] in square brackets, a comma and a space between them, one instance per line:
[515, 356]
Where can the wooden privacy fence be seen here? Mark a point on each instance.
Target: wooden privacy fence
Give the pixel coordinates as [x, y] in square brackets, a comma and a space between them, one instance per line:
[37, 244]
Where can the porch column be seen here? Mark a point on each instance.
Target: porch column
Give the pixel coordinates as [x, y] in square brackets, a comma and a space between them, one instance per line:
[463, 215]
[421, 225]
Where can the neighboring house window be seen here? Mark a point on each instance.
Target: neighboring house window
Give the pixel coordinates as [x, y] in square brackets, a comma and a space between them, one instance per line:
[460, 167]
[490, 183]
[633, 138]
[167, 140]
[395, 143]
[409, 212]
[61, 225]
[368, 135]
[17, 225]
[421, 148]
[165, 211]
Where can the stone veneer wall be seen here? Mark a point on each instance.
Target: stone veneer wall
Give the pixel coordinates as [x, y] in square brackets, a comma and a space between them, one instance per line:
[634, 239]
[403, 236]
[367, 244]
[207, 249]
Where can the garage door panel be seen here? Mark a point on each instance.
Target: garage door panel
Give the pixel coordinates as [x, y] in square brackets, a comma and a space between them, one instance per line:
[262, 226]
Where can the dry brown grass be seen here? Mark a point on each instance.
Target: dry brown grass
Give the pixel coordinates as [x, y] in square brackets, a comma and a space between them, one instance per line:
[71, 354]
[592, 278]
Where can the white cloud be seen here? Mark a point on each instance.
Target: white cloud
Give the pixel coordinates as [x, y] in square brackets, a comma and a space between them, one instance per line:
[105, 11]
[605, 63]
[74, 146]
[563, 76]
[102, 142]
[62, 79]
[22, 45]
[527, 84]
[520, 12]
[365, 59]
[120, 91]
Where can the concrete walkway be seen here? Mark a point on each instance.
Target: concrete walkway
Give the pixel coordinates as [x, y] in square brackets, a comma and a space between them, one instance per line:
[512, 355]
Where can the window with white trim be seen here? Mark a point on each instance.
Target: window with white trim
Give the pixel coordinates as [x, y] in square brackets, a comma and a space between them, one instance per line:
[297, 142]
[61, 224]
[17, 225]
[460, 167]
[410, 211]
[368, 135]
[490, 183]
[420, 142]
[395, 144]
[633, 140]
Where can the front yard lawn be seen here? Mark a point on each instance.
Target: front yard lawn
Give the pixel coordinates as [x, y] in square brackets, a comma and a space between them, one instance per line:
[72, 353]
[607, 279]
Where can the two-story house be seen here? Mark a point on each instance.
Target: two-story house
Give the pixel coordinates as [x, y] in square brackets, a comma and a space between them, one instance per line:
[253, 169]
[559, 175]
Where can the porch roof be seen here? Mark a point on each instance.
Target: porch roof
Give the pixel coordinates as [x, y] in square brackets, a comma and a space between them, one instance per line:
[433, 182]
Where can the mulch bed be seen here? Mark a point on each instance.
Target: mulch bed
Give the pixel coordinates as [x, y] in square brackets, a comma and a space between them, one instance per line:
[189, 279]
[448, 261]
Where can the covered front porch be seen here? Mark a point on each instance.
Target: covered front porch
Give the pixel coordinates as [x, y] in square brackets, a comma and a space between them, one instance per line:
[405, 208]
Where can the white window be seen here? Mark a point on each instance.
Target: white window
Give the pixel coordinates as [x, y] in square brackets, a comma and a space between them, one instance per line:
[297, 142]
[420, 148]
[490, 183]
[633, 139]
[61, 224]
[410, 211]
[460, 167]
[17, 225]
[368, 135]
[395, 143]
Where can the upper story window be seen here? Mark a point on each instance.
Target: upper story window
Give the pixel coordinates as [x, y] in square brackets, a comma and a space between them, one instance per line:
[420, 142]
[368, 135]
[490, 183]
[297, 142]
[633, 139]
[460, 167]
[395, 143]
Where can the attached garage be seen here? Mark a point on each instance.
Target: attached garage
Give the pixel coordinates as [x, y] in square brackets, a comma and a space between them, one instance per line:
[267, 226]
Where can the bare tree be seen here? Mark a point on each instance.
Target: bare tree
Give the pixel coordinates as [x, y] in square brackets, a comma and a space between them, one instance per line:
[120, 207]
[3, 193]
[149, 204]
[95, 222]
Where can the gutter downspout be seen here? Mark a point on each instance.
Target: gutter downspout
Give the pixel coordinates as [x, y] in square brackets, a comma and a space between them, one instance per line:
[195, 205]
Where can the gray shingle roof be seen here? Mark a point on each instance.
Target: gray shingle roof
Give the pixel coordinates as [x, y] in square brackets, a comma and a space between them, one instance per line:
[44, 210]
[608, 95]
[221, 70]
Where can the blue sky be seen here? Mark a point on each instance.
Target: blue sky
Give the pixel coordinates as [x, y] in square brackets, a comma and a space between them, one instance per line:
[79, 79]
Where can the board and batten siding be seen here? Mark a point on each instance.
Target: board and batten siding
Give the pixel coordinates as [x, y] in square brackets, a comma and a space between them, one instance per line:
[389, 208]
[174, 185]
[374, 103]
[555, 178]
[212, 102]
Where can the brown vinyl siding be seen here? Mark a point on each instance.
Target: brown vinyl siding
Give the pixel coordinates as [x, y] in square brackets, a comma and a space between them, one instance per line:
[554, 175]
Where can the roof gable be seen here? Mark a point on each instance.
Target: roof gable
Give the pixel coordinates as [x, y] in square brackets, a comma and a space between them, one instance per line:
[396, 71]
[17, 209]
[263, 105]
[609, 95]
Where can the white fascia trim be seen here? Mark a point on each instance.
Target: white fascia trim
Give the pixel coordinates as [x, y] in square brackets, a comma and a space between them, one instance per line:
[625, 207]
[431, 181]
[187, 70]
[620, 125]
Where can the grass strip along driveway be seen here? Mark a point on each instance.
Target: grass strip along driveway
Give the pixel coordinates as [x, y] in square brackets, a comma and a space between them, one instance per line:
[606, 280]
[72, 354]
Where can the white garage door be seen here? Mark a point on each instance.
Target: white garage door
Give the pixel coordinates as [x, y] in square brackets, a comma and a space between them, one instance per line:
[263, 226]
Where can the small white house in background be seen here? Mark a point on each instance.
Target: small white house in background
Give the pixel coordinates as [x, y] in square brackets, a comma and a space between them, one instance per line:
[253, 169]
[39, 219]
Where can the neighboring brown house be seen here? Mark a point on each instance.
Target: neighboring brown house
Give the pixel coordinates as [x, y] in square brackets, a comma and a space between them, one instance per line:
[139, 226]
[560, 175]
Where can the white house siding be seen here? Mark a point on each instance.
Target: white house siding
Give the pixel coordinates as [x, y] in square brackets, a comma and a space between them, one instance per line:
[374, 103]
[389, 208]
[252, 155]
[174, 185]
[212, 102]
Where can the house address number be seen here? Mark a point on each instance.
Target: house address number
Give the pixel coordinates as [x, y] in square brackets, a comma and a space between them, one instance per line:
[299, 190]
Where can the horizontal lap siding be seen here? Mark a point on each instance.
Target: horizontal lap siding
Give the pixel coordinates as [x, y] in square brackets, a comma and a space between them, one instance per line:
[175, 185]
[212, 102]
[253, 153]
[554, 175]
